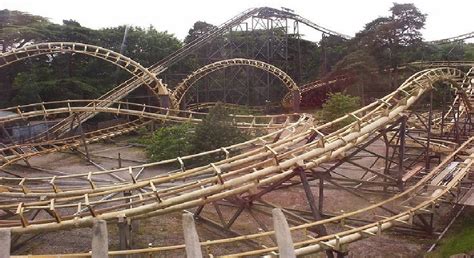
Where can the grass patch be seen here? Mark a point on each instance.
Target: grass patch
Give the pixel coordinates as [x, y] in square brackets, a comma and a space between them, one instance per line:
[459, 239]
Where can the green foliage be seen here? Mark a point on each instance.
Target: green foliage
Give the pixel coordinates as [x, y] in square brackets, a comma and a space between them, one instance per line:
[469, 52]
[71, 76]
[42, 84]
[199, 28]
[332, 49]
[459, 239]
[144, 45]
[18, 28]
[338, 105]
[388, 37]
[217, 130]
[169, 142]
[362, 64]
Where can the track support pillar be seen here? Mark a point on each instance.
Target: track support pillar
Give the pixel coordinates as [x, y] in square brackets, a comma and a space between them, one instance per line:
[124, 230]
[165, 101]
[100, 239]
[5, 243]
[191, 238]
[283, 235]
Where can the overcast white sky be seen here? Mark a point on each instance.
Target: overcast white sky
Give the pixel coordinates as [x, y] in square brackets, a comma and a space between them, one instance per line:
[445, 18]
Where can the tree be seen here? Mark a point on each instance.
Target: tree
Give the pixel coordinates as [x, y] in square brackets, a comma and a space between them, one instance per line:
[363, 66]
[16, 30]
[199, 28]
[217, 130]
[69, 75]
[19, 28]
[338, 105]
[332, 49]
[387, 37]
[169, 142]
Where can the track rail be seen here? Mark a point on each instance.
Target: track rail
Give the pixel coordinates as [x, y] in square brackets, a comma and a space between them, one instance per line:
[134, 68]
[188, 82]
[237, 174]
[461, 37]
[144, 113]
[370, 118]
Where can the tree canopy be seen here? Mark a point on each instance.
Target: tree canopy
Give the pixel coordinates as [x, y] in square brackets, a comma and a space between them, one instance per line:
[71, 76]
[386, 41]
[388, 37]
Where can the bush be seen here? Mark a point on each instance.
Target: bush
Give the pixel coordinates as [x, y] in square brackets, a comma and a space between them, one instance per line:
[169, 142]
[215, 131]
[338, 105]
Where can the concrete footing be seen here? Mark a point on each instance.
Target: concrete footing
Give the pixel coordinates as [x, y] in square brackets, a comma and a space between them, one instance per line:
[283, 235]
[100, 239]
[191, 238]
[5, 243]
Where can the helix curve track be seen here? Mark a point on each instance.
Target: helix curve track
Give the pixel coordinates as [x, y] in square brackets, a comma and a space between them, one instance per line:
[294, 150]
[264, 162]
[183, 86]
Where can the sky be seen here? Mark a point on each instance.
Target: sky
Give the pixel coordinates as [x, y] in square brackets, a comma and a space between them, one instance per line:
[445, 18]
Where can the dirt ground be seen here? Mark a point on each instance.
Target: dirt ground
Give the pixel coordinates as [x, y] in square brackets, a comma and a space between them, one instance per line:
[167, 230]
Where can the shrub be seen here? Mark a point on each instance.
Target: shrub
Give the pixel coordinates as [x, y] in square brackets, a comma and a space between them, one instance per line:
[217, 130]
[169, 142]
[337, 105]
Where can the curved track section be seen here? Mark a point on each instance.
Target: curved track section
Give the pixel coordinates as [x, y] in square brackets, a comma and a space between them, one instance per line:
[137, 70]
[461, 37]
[142, 115]
[183, 87]
[126, 87]
[257, 167]
[141, 76]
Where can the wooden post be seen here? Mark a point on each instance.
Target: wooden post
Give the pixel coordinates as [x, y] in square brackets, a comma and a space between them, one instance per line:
[401, 150]
[191, 238]
[5, 242]
[100, 240]
[320, 229]
[321, 194]
[124, 232]
[283, 235]
[296, 101]
[119, 160]
[165, 101]
[428, 135]
[83, 138]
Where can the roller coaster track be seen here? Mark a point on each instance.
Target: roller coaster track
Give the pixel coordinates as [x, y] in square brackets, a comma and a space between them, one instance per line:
[141, 75]
[14, 153]
[173, 58]
[255, 164]
[209, 105]
[303, 89]
[145, 114]
[126, 87]
[453, 39]
[138, 71]
[293, 146]
[123, 89]
[190, 80]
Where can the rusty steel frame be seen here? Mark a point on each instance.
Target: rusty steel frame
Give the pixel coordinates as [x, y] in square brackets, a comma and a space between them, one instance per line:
[294, 147]
[220, 184]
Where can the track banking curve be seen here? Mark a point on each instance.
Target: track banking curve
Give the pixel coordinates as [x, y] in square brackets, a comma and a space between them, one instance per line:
[264, 165]
[293, 144]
